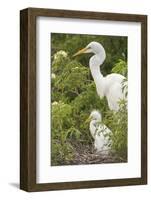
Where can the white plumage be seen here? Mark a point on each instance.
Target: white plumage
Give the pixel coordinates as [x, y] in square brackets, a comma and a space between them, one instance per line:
[109, 86]
[100, 132]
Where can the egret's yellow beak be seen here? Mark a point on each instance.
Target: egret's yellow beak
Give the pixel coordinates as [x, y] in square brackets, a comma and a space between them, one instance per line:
[80, 52]
[88, 120]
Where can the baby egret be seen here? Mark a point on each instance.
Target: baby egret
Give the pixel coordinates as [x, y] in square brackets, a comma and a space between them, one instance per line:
[109, 86]
[100, 132]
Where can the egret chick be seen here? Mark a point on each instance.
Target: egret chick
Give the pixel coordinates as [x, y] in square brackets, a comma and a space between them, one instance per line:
[100, 132]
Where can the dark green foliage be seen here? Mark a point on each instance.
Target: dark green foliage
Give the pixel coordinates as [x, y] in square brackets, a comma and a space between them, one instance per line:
[120, 67]
[117, 122]
[61, 123]
[74, 95]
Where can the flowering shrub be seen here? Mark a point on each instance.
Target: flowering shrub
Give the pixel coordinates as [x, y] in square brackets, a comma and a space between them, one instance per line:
[74, 96]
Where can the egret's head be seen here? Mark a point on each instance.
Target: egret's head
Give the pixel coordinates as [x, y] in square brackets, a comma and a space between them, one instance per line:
[92, 47]
[95, 115]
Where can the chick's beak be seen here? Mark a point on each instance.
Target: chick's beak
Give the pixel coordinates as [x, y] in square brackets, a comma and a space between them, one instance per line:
[80, 52]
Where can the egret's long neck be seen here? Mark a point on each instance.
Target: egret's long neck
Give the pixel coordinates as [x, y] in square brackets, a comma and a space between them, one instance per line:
[95, 62]
[93, 127]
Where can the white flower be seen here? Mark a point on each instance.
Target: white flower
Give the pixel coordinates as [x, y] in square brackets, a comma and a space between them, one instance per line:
[53, 76]
[54, 103]
[123, 54]
[60, 53]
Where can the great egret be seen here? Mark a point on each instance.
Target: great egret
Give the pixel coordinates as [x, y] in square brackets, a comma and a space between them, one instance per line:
[100, 132]
[110, 85]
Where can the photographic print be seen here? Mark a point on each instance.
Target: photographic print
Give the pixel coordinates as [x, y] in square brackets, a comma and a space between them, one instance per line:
[83, 99]
[88, 99]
